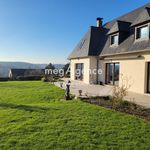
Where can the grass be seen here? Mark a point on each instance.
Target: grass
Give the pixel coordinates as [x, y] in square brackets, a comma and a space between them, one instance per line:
[33, 117]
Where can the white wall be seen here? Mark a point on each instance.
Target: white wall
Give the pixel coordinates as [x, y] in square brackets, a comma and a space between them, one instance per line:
[134, 70]
[101, 77]
[90, 63]
[93, 67]
[86, 62]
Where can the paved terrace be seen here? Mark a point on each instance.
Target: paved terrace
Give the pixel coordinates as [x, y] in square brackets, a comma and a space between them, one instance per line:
[99, 90]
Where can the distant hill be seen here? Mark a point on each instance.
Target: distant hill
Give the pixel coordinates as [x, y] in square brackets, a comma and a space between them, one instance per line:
[5, 66]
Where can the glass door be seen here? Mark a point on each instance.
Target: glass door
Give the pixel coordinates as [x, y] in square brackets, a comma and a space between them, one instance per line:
[112, 73]
[109, 73]
[116, 73]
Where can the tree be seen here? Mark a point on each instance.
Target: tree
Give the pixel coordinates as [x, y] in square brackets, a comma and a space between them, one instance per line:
[50, 66]
[66, 69]
[49, 75]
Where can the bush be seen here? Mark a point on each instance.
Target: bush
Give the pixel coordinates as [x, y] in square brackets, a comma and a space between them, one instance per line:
[125, 104]
[119, 92]
[4, 79]
[48, 79]
[51, 79]
[122, 106]
[44, 79]
[28, 78]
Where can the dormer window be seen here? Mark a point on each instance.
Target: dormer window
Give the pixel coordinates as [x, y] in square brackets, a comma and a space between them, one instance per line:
[119, 32]
[142, 32]
[114, 40]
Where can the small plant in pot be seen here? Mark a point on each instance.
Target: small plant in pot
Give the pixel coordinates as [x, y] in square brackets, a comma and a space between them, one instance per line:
[80, 92]
[61, 85]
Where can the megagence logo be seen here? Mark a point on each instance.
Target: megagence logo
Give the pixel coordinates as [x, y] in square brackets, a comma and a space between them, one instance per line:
[78, 72]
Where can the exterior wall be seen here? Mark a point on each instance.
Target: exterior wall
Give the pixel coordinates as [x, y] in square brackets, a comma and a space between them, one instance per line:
[93, 67]
[86, 62]
[101, 77]
[89, 63]
[102, 66]
[134, 70]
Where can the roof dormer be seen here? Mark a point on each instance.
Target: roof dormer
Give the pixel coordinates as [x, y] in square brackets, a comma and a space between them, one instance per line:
[142, 25]
[119, 32]
[120, 26]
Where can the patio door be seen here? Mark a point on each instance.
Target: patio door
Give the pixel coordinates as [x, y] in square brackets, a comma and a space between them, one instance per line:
[148, 81]
[112, 73]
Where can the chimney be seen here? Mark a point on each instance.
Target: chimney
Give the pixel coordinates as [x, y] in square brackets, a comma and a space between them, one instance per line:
[99, 22]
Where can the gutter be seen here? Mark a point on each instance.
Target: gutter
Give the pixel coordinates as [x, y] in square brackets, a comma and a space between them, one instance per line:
[97, 67]
[127, 57]
[123, 53]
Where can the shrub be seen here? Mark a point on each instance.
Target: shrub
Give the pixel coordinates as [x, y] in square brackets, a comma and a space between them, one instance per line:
[51, 78]
[44, 79]
[4, 79]
[28, 78]
[122, 106]
[125, 104]
[119, 92]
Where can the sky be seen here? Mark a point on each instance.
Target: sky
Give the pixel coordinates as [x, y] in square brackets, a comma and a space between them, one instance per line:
[43, 31]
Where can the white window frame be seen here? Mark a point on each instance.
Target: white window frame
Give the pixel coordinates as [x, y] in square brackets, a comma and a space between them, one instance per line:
[115, 44]
[136, 34]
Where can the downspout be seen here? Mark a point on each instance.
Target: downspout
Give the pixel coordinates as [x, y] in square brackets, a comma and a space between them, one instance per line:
[97, 67]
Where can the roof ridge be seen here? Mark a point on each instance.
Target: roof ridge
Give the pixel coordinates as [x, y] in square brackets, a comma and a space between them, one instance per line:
[123, 21]
[144, 6]
[142, 18]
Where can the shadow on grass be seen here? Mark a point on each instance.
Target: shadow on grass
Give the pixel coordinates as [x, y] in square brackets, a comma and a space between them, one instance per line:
[23, 107]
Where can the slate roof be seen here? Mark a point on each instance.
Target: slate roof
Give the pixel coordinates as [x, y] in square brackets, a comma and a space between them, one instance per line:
[97, 42]
[91, 44]
[143, 17]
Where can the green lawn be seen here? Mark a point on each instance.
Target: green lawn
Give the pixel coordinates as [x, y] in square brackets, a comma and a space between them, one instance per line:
[33, 117]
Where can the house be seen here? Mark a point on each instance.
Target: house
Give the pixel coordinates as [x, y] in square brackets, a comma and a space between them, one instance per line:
[120, 47]
[25, 73]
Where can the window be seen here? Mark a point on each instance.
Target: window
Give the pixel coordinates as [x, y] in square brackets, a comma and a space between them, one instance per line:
[79, 71]
[114, 39]
[142, 32]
